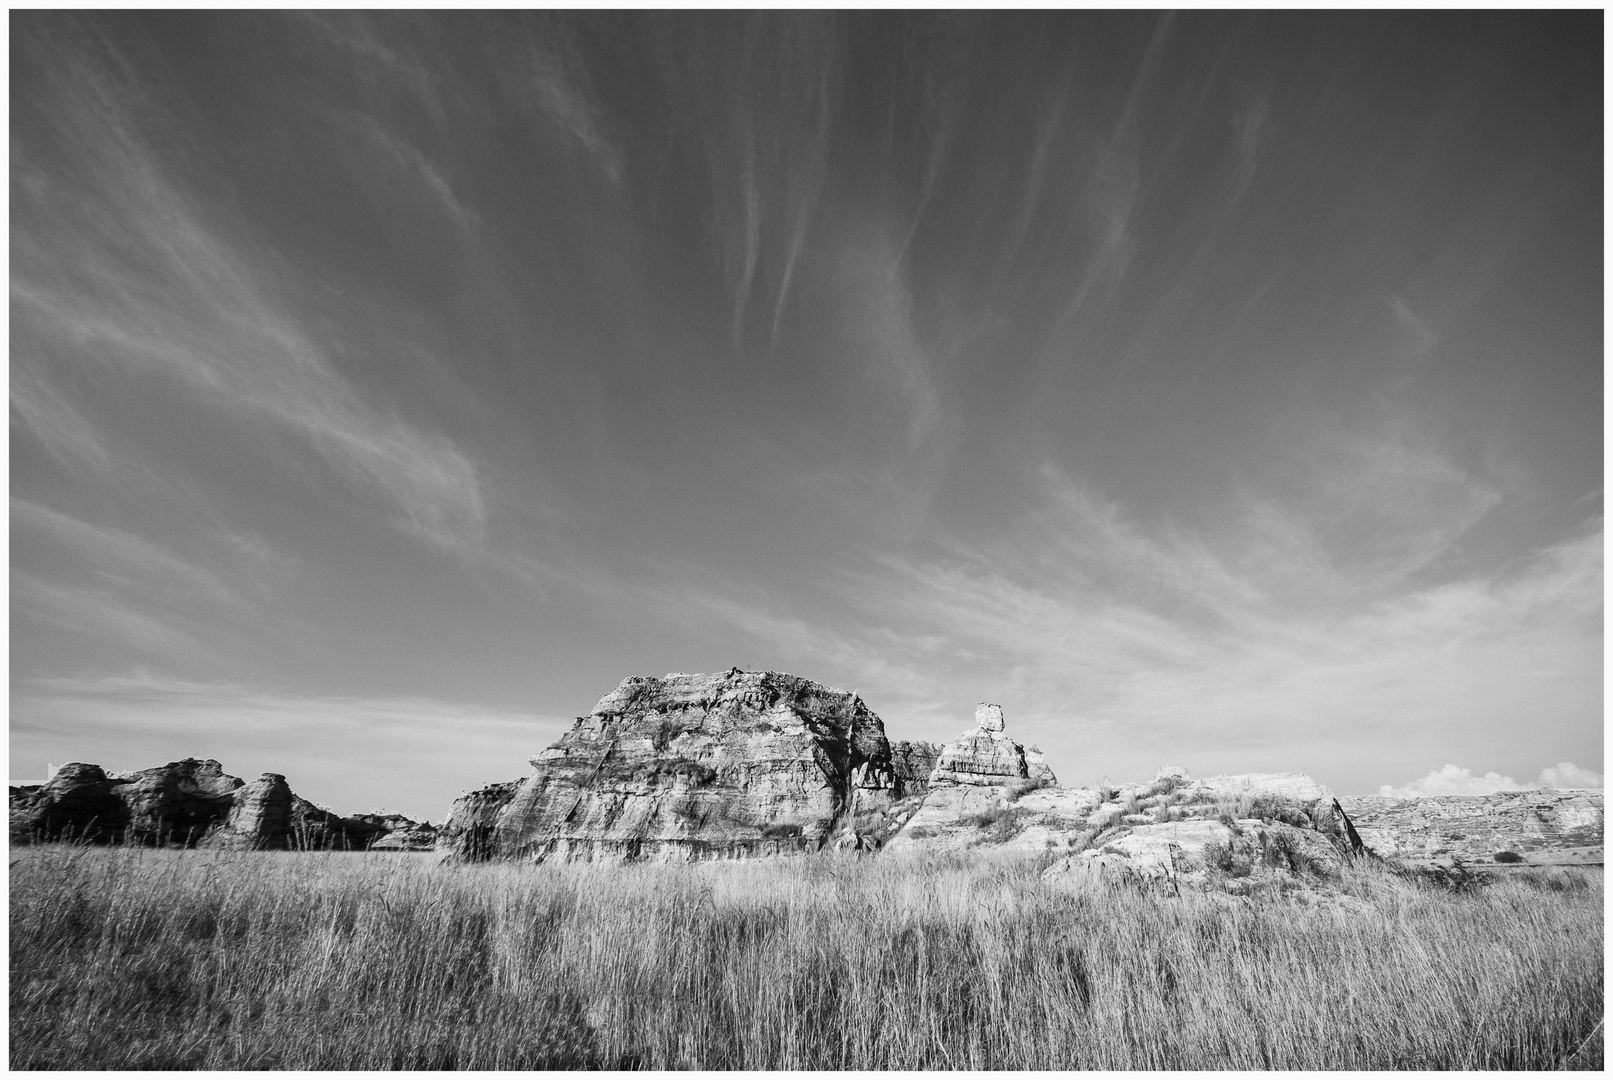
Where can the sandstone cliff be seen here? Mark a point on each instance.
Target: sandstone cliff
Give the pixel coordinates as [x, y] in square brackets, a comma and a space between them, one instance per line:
[689, 766]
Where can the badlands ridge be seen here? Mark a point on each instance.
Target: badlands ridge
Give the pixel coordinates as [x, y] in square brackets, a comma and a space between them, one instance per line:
[742, 764]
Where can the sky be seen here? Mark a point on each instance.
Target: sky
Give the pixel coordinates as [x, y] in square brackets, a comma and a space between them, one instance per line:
[1215, 389]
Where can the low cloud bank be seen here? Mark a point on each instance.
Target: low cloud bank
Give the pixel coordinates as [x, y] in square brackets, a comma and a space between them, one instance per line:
[1455, 780]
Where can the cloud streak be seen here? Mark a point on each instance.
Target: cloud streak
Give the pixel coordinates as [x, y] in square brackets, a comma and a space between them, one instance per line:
[122, 557]
[131, 276]
[100, 613]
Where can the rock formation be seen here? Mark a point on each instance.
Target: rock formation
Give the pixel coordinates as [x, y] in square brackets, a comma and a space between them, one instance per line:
[177, 803]
[259, 817]
[1543, 826]
[185, 804]
[78, 803]
[1193, 851]
[977, 779]
[986, 756]
[468, 832]
[689, 766]
[394, 832]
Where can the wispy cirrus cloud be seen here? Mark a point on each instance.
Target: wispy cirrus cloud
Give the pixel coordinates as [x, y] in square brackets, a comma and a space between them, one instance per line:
[122, 558]
[59, 425]
[102, 613]
[192, 605]
[1247, 645]
[877, 318]
[131, 274]
[388, 69]
[402, 156]
[559, 91]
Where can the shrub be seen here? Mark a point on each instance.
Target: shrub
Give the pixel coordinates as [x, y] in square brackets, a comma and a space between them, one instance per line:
[1165, 785]
[1280, 851]
[1508, 857]
[1222, 858]
[1001, 822]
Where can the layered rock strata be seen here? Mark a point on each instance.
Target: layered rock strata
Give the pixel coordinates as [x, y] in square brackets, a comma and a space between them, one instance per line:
[986, 757]
[185, 804]
[468, 832]
[690, 766]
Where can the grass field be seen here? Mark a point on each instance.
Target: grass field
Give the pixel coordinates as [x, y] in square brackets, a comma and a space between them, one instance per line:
[129, 958]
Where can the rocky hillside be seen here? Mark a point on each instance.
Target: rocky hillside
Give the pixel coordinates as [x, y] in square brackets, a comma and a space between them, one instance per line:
[1508, 828]
[756, 763]
[194, 803]
[988, 791]
[736, 763]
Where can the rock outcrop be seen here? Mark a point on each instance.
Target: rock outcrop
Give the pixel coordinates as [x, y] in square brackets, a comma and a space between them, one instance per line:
[1232, 833]
[177, 803]
[978, 780]
[690, 766]
[1543, 826]
[78, 803]
[468, 832]
[1191, 852]
[986, 757]
[394, 832]
[189, 803]
[259, 817]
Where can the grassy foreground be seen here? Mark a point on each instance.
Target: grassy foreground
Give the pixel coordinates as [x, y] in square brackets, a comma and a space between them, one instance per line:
[129, 958]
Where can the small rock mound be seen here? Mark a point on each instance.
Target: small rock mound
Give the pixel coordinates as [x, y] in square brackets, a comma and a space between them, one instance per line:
[1200, 852]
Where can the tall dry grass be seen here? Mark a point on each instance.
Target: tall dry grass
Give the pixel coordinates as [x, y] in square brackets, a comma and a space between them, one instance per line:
[129, 958]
